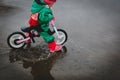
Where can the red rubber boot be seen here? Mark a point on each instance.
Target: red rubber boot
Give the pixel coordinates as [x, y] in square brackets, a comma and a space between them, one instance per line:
[53, 47]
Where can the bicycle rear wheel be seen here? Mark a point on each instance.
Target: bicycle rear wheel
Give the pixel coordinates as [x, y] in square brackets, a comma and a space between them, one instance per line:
[13, 38]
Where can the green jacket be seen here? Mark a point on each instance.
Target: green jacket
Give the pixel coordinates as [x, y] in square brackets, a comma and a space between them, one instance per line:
[36, 7]
[45, 14]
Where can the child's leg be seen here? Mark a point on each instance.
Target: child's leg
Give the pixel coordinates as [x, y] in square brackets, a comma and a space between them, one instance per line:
[47, 37]
[33, 21]
[51, 43]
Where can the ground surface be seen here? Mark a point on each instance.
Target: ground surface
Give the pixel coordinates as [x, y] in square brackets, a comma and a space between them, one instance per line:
[93, 51]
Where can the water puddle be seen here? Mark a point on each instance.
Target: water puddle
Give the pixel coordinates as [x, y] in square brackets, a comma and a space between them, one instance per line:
[37, 59]
[33, 54]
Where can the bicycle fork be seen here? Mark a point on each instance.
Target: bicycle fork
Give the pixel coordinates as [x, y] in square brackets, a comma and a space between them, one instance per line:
[56, 31]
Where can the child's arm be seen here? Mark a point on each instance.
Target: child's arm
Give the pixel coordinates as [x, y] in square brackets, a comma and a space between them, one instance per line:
[45, 15]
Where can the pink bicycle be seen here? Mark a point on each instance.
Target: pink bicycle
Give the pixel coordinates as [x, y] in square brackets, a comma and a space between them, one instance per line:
[19, 39]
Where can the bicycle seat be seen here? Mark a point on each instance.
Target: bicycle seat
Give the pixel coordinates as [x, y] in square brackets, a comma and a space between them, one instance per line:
[26, 29]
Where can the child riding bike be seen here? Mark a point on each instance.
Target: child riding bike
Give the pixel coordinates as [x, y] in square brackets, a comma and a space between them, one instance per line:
[41, 16]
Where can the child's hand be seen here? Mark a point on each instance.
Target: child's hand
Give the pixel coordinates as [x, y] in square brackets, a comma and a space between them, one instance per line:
[54, 19]
[52, 22]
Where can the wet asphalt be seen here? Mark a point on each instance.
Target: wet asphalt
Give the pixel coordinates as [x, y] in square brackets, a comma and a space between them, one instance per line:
[92, 49]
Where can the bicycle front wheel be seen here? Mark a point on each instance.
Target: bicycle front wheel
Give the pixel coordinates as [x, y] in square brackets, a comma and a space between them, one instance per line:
[62, 37]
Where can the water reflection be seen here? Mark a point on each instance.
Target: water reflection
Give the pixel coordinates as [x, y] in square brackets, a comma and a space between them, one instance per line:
[40, 69]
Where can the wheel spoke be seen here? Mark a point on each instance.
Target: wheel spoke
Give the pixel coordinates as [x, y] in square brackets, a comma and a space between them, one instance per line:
[61, 38]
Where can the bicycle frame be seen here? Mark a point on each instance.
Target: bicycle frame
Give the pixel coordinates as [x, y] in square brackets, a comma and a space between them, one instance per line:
[23, 40]
[26, 40]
